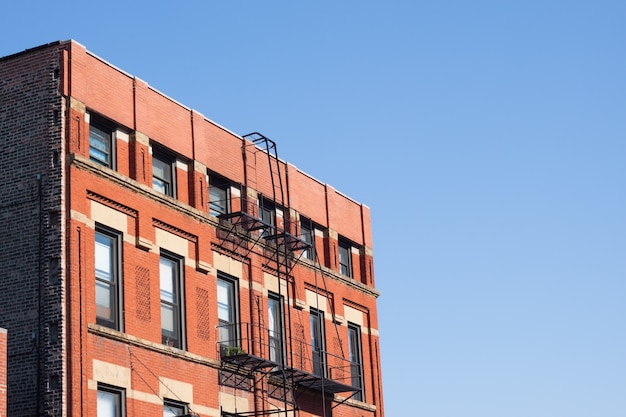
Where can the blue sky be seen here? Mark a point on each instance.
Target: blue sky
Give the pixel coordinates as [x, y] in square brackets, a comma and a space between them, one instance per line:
[487, 137]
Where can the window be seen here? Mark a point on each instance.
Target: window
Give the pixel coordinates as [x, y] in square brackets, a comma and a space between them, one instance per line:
[110, 401]
[219, 195]
[267, 213]
[317, 342]
[171, 301]
[227, 311]
[173, 408]
[345, 258]
[101, 142]
[108, 274]
[163, 174]
[356, 361]
[307, 234]
[275, 328]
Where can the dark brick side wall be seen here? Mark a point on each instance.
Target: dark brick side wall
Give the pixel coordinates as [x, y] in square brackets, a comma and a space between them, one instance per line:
[3, 372]
[31, 223]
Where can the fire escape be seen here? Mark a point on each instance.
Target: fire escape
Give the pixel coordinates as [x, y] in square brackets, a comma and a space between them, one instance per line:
[276, 366]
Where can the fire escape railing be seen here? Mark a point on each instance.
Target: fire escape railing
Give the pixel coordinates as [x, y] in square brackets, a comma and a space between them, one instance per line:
[254, 349]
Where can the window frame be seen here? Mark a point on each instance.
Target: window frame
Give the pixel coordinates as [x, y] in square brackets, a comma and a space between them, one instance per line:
[267, 214]
[345, 247]
[318, 350]
[108, 131]
[219, 183]
[308, 253]
[355, 356]
[177, 303]
[276, 332]
[175, 405]
[230, 328]
[115, 284]
[119, 396]
[168, 162]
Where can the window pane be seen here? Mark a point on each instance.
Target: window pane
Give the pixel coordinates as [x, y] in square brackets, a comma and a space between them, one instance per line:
[317, 342]
[224, 300]
[272, 313]
[104, 257]
[171, 410]
[162, 175]
[171, 303]
[168, 276]
[275, 330]
[160, 185]
[306, 234]
[108, 404]
[354, 353]
[99, 140]
[107, 285]
[104, 301]
[161, 169]
[218, 201]
[345, 259]
[226, 334]
[223, 313]
[99, 146]
[226, 312]
[168, 319]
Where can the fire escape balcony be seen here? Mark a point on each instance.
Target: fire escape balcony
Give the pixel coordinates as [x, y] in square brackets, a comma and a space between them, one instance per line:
[245, 230]
[256, 350]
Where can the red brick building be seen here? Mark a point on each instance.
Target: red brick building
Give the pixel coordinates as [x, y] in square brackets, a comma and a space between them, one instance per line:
[155, 262]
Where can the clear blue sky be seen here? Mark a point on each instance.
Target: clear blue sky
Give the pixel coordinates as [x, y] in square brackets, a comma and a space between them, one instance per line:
[487, 137]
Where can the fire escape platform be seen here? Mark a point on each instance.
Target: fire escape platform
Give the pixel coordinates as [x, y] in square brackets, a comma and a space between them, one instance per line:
[251, 413]
[249, 362]
[243, 219]
[312, 381]
[291, 242]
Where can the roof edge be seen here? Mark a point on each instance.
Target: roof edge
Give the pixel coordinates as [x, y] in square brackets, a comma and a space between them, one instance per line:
[36, 48]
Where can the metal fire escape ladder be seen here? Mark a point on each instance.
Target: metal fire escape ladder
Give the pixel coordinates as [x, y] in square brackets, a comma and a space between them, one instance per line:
[280, 240]
[247, 230]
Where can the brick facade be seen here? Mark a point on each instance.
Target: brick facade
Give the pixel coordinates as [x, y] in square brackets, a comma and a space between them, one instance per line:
[32, 251]
[3, 372]
[61, 202]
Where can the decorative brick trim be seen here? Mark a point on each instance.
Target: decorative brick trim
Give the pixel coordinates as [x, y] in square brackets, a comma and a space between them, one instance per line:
[112, 204]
